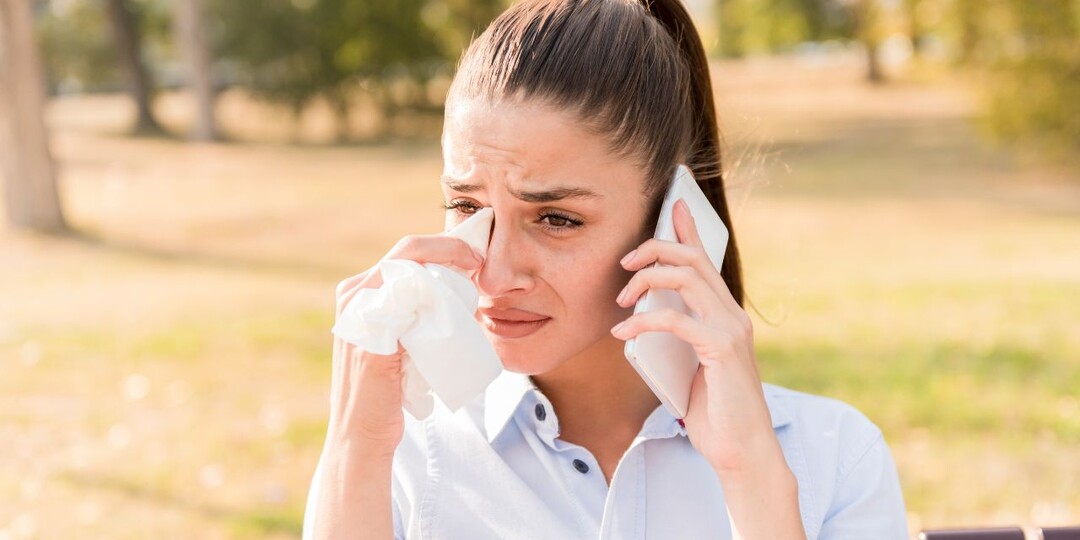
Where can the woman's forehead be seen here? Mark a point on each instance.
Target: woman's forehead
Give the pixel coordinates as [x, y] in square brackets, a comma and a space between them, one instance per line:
[525, 142]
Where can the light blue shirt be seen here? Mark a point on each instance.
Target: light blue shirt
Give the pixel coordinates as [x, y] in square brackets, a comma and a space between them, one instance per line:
[496, 469]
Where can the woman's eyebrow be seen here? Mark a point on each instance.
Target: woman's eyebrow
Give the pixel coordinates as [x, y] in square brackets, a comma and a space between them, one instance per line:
[542, 196]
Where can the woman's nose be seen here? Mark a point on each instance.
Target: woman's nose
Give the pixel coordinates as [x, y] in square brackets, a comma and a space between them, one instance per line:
[506, 269]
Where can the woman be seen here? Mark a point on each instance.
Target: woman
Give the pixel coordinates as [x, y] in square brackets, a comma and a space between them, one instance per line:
[568, 118]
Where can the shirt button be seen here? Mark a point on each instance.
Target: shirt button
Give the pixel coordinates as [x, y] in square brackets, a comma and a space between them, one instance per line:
[581, 466]
[541, 414]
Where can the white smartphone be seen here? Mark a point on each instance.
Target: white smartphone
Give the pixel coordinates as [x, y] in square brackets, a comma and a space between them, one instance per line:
[664, 361]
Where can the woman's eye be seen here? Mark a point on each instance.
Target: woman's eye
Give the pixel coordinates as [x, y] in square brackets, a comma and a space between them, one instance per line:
[462, 207]
[559, 222]
[556, 221]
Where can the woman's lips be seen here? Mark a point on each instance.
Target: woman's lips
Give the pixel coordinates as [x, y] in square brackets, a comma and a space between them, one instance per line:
[512, 323]
[512, 329]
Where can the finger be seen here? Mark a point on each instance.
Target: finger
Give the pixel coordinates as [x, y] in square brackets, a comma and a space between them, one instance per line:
[348, 287]
[710, 344]
[675, 254]
[692, 253]
[682, 325]
[697, 294]
[421, 249]
[685, 226]
[437, 249]
[665, 252]
[687, 232]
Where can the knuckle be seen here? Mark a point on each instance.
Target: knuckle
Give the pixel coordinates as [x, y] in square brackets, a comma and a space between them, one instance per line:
[647, 246]
[341, 287]
[725, 342]
[668, 316]
[348, 283]
[746, 324]
[685, 273]
[405, 246]
[465, 251]
[700, 258]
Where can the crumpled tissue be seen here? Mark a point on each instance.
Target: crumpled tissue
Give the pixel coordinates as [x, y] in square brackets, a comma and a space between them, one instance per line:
[430, 309]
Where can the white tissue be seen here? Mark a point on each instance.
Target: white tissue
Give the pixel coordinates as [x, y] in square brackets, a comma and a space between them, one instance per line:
[428, 308]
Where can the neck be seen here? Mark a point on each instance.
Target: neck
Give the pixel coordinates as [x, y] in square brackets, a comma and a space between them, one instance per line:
[597, 393]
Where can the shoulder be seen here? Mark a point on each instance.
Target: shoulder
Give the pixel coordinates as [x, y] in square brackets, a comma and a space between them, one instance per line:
[829, 435]
[847, 478]
[821, 422]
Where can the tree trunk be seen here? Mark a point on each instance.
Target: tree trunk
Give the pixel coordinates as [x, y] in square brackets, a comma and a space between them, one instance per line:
[915, 27]
[967, 12]
[339, 101]
[191, 37]
[868, 30]
[129, 55]
[26, 167]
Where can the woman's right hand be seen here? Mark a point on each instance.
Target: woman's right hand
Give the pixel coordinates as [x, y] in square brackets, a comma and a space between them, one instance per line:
[365, 388]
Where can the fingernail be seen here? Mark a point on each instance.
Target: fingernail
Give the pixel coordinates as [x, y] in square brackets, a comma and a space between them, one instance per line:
[617, 327]
[622, 294]
[629, 257]
[686, 206]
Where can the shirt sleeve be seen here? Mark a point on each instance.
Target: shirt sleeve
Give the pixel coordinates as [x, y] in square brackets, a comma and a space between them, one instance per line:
[868, 502]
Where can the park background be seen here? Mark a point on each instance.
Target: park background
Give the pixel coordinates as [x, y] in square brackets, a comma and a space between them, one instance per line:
[186, 181]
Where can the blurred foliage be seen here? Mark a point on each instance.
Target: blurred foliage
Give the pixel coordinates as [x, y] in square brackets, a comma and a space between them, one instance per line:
[76, 47]
[1033, 74]
[1025, 53]
[79, 50]
[763, 26]
[287, 51]
[292, 51]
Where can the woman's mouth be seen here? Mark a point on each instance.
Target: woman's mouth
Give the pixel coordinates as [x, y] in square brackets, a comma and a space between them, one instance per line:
[512, 323]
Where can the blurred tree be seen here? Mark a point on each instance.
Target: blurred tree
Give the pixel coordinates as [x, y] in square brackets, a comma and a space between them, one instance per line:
[734, 24]
[916, 28]
[128, 43]
[77, 49]
[25, 162]
[191, 37]
[455, 22]
[868, 30]
[769, 26]
[293, 51]
[968, 14]
[1034, 69]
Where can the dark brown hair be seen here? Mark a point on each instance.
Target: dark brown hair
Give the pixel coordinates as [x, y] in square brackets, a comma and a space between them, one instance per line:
[633, 71]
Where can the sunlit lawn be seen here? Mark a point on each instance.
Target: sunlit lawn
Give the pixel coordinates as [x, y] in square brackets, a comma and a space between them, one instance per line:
[165, 373]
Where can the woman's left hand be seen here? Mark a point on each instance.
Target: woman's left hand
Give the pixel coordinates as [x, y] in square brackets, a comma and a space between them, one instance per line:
[727, 420]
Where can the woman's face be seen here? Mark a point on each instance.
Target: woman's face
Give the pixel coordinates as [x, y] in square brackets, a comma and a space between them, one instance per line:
[566, 210]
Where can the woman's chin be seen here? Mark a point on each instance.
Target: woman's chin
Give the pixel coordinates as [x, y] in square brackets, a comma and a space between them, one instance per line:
[525, 362]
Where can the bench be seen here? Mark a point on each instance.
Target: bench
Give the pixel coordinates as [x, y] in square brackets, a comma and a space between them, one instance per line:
[1008, 533]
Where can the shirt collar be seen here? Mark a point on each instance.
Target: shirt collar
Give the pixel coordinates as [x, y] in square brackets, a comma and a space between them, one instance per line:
[501, 400]
[505, 394]
[778, 408]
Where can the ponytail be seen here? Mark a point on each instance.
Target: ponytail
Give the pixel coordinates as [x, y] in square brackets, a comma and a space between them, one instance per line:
[704, 157]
